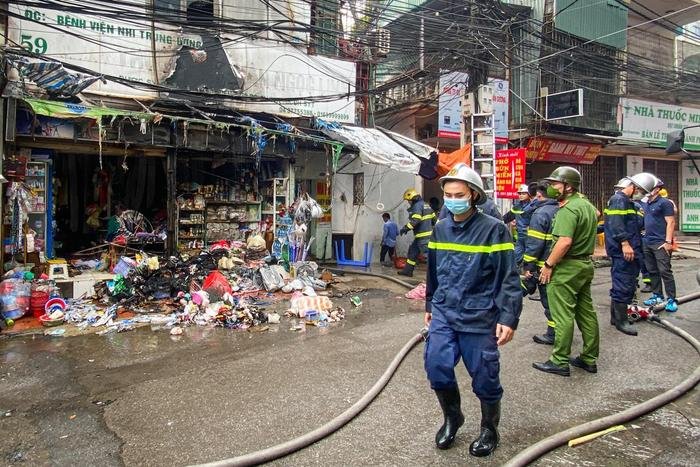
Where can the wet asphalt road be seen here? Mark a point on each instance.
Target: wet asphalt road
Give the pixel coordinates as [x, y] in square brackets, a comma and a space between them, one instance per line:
[145, 398]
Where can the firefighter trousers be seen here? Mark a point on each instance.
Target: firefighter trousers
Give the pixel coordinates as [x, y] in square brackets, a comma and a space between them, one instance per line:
[445, 347]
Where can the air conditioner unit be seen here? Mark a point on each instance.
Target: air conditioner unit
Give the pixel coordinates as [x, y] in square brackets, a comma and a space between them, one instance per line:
[380, 40]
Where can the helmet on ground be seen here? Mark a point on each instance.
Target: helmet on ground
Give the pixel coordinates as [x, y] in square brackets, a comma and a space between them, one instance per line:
[410, 194]
[624, 182]
[463, 173]
[645, 181]
[523, 189]
[566, 174]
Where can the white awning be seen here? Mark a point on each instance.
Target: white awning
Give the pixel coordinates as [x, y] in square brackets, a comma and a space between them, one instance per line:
[381, 147]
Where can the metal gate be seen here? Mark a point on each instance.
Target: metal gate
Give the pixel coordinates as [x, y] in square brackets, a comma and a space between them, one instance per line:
[667, 171]
[599, 179]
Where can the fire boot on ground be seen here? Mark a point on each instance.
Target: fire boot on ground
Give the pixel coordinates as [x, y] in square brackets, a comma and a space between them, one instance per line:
[450, 403]
[488, 438]
[622, 323]
[547, 338]
[406, 271]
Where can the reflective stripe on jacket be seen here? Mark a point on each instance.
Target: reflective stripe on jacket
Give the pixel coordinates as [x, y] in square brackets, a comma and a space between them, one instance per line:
[621, 222]
[472, 280]
[539, 235]
[421, 219]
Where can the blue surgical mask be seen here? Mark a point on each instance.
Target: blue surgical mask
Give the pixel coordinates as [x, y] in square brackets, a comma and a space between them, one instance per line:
[457, 205]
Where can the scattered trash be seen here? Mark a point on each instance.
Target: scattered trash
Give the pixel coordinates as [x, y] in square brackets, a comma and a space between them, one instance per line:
[356, 300]
[55, 332]
[273, 318]
[417, 293]
[72, 417]
[176, 331]
[302, 304]
[103, 403]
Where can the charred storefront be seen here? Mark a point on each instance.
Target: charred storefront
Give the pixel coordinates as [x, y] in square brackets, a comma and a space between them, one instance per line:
[162, 178]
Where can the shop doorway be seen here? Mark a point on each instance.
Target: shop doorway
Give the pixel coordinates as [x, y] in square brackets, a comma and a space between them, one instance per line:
[89, 201]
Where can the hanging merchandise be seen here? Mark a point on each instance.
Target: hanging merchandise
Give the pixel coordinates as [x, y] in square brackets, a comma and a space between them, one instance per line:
[19, 197]
[288, 129]
[256, 133]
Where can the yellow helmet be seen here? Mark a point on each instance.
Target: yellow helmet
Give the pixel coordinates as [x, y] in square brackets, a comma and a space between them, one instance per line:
[410, 194]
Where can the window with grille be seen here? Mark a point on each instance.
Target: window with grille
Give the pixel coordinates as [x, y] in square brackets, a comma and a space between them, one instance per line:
[358, 189]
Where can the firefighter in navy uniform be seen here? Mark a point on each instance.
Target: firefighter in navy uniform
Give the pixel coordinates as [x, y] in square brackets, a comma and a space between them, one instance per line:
[538, 242]
[521, 215]
[421, 219]
[623, 245]
[473, 304]
[646, 280]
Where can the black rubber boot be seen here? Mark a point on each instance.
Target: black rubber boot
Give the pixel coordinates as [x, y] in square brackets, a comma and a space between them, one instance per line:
[406, 271]
[612, 313]
[547, 338]
[622, 323]
[488, 438]
[450, 403]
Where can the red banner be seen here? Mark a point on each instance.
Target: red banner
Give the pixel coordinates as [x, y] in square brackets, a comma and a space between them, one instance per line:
[559, 150]
[510, 172]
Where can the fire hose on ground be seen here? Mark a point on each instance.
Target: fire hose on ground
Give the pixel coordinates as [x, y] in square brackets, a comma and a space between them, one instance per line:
[526, 456]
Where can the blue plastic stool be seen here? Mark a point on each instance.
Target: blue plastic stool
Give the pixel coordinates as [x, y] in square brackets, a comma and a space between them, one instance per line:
[342, 261]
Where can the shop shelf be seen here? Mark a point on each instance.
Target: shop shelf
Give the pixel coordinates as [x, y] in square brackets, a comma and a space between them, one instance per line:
[233, 203]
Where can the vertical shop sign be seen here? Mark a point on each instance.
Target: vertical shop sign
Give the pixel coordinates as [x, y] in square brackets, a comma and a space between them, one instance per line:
[450, 110]
[690, 198]
[510, 172]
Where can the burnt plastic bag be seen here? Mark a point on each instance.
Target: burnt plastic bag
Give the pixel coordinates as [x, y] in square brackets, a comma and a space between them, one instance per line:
[272, 280]
[217, 284]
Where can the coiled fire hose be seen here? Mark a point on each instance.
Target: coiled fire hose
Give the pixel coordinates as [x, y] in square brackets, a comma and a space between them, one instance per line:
[526, 456]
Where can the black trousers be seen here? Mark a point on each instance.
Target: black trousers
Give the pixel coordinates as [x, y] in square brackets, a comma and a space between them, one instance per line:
[386, 249]
[658, 262]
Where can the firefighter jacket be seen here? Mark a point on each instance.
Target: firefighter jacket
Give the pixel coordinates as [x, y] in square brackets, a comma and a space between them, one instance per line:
[521, 213]
[621, 223]
[538, 240]
[420, 220]
[640, 215]
[472, 281]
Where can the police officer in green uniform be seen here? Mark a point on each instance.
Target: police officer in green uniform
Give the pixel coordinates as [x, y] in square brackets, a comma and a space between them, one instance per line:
[569, 272]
